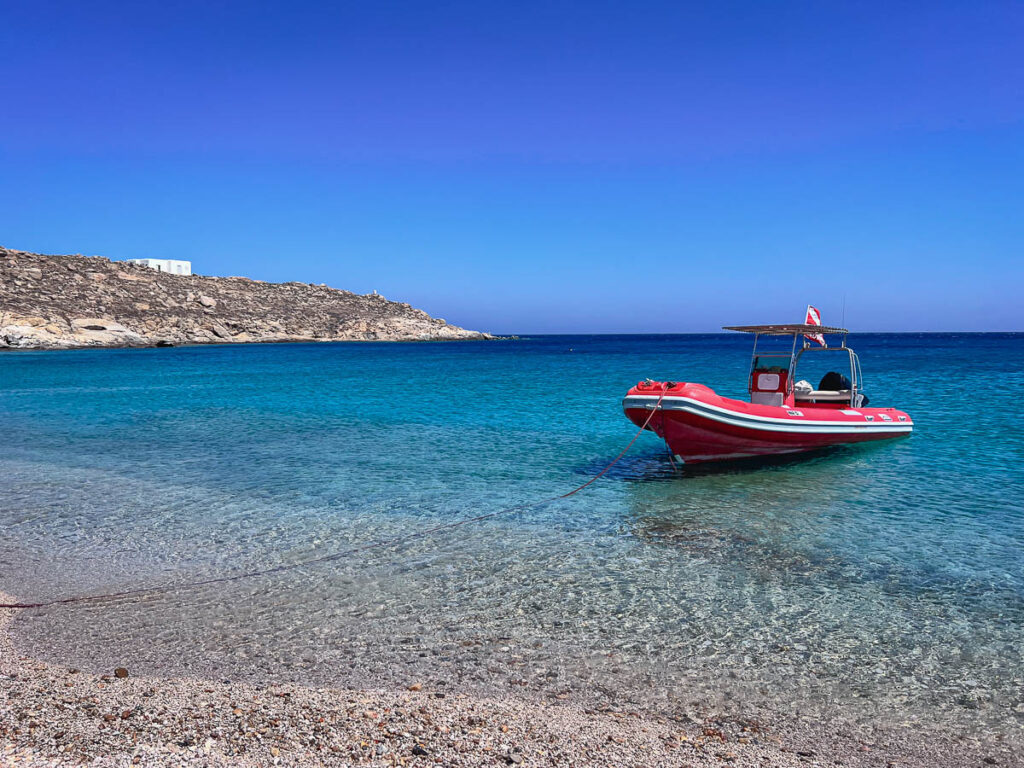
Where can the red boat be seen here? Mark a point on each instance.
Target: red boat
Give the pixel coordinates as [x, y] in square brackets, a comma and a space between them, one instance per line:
[784, 415]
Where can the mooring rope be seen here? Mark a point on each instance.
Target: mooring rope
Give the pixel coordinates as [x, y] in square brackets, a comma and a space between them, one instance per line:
[337, 555]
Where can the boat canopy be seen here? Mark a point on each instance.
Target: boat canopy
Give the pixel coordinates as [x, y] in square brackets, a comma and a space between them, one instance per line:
[782, 363]
[784, 329]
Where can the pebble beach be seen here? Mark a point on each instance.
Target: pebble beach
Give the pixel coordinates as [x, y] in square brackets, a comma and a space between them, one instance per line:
[52, 715]
[57, 715]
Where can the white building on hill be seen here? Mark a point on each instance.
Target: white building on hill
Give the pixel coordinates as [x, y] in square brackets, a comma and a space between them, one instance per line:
[171, 266]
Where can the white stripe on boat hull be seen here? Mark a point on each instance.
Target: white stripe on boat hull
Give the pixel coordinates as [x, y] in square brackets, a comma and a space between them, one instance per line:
[766, 423]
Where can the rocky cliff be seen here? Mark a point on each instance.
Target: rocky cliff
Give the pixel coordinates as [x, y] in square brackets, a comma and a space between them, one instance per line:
[60, 302]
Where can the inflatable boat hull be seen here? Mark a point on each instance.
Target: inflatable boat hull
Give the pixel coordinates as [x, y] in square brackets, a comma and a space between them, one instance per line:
[699, 426]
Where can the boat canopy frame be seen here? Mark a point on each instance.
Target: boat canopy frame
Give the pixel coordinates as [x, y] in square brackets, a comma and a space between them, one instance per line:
[786, 329]
[800, 331]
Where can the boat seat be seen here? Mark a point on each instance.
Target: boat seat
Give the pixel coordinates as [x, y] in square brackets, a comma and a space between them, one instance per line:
[824, 395]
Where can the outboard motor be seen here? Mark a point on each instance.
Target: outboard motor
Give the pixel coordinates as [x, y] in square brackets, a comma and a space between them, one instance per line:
[834, 381]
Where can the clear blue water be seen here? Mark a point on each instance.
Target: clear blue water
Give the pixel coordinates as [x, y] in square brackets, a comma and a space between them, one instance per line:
[875, 584]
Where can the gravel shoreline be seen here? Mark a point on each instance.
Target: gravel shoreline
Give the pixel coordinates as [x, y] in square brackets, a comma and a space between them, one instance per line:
[55, 715]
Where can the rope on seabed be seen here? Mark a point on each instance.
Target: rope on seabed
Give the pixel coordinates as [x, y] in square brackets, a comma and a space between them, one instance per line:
[337, 555]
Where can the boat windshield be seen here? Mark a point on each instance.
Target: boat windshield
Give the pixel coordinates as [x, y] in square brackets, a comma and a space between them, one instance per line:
[772, 363]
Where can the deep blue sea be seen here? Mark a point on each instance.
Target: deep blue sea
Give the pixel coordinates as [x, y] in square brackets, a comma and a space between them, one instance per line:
[877, 584]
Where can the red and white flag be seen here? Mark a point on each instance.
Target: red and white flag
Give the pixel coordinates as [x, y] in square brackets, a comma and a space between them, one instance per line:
[814, 318]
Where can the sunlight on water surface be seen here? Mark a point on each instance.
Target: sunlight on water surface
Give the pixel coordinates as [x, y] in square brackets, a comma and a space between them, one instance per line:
[859, 583]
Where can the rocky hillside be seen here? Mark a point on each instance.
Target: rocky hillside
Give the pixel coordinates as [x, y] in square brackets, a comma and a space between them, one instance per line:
[59, 302]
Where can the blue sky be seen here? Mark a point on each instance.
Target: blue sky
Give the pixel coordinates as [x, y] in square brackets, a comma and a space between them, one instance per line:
[537, 167]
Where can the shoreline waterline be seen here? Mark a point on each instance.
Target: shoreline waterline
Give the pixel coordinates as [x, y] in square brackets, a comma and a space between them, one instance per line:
[52, 712]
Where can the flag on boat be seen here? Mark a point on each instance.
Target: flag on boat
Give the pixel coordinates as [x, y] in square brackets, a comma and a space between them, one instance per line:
[814, 318]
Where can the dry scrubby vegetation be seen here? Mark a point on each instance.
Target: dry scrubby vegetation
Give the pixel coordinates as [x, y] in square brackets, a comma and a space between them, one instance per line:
[58, 302]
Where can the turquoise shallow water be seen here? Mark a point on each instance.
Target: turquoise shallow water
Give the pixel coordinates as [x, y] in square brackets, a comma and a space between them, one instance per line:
[876, 584]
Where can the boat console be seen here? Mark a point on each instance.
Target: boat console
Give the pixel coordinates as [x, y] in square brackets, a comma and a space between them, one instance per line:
[768, 386]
